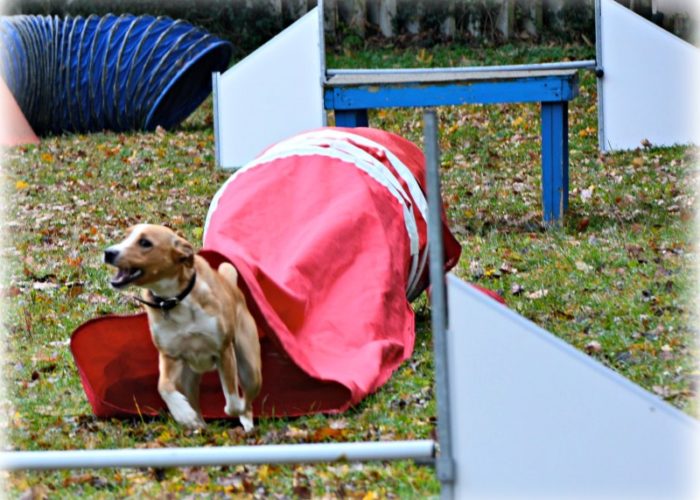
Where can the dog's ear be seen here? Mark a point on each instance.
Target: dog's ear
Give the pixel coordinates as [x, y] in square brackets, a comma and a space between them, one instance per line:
[183, 252]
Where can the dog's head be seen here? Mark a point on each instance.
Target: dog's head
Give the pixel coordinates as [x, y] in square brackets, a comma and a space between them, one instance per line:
[148, 254]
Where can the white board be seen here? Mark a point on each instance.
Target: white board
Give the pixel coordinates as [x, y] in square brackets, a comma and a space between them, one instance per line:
[650, 85]
[532, 417]
[275, 92]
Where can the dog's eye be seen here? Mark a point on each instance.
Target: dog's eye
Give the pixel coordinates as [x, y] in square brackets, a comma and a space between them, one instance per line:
[144, 243]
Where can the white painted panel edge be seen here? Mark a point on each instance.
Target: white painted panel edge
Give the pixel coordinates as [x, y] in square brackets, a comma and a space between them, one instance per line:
[275, 92]
[649, 87]
[532, 417]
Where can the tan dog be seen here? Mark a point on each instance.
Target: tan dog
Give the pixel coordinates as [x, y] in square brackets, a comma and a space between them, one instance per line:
[198, 320]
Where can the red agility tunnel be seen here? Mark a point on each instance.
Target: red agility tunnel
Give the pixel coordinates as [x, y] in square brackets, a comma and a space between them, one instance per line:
[328, 232]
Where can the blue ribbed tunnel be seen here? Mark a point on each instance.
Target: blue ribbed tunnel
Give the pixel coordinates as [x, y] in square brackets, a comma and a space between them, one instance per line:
[113, 72]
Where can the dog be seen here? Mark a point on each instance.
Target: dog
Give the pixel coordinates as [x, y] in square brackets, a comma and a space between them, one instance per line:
[198, 319]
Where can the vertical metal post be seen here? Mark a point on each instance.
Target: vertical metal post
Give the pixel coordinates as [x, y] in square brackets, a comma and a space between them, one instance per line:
[215, 77]
[600, 74]
[444, 464]
[322, 53]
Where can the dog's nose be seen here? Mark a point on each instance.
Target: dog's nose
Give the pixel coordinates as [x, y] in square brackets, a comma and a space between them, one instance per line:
[111, 255]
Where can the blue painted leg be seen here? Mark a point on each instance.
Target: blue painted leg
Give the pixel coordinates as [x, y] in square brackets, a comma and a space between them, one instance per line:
[351, 118]
[565, 159]
[555, 160]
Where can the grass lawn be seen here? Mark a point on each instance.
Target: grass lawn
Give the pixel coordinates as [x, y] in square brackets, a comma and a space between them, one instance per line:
[615, 281]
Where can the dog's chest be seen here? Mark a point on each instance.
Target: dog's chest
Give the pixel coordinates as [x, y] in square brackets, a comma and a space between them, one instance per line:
[190, 334]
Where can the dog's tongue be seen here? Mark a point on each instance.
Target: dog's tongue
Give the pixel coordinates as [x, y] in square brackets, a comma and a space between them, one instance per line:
[121, 277]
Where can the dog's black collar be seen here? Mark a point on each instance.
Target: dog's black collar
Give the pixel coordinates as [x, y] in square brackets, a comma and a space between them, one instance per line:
[166, 304]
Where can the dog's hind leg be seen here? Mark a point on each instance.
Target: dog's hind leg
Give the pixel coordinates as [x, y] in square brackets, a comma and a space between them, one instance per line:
[247, 350]
[247, 347]
[228, 373]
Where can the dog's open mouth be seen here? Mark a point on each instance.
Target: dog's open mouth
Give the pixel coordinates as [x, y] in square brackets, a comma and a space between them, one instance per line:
[124, 276]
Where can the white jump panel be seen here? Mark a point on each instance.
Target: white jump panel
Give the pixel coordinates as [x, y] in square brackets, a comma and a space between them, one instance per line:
[275, 92]
[532, 417]
[651, 81]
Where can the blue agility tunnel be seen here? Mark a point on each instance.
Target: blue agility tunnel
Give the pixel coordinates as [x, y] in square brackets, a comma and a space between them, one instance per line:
[113, 72]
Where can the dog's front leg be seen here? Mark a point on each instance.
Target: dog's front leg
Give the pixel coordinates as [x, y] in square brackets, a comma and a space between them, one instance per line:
[173, 393]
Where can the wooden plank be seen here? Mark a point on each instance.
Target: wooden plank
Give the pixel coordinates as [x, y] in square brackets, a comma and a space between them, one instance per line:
[440, 75]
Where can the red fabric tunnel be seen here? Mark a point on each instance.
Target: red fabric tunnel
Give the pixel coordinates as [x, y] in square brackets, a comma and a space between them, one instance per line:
[328, 232]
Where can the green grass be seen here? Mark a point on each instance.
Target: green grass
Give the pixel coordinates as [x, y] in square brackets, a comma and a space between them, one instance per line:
[615, 280]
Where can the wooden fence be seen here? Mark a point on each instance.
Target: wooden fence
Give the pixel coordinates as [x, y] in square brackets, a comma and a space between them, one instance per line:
[249, 23]
[491, 19]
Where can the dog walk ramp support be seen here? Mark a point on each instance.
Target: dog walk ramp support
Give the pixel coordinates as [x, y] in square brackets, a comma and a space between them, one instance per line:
[420, 451]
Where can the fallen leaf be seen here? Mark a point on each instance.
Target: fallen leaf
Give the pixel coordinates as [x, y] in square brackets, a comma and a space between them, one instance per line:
[587, 194]
[475, 269]
[21, 185]
[593, 346]
[296, 433]
[37, 492]
[537, 294]
[78, 479]
[492, 273]
[582, 224]
[196, 475]
[507, 268]
[44, 285]
[263, 472]
[583, 267]
[662, 391]
[338, 424]
[666, 352]
[325, 433]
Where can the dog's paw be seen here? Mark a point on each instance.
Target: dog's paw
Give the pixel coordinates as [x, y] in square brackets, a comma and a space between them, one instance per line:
[182, 411]
[234, 405]
[247, 422]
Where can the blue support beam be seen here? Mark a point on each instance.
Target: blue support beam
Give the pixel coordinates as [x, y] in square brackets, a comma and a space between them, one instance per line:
[351, 118]
[555, 160]
[351, 95]
[550, 89]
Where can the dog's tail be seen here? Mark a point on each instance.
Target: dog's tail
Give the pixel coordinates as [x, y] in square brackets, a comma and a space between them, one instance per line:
[229, 273]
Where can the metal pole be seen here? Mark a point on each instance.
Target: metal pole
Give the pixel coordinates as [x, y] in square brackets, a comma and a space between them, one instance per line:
[422, 450]
[600, 74]
[587, 64]
[444, 463]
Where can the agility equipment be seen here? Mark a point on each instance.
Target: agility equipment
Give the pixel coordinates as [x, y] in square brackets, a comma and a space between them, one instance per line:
[528, 415]
[298, 90]
[328, 232]
[14, 128]
[125, 72]
[648, 81]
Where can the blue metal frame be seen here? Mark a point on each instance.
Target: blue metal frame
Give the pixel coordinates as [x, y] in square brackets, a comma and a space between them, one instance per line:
[351, 102]
[555, 160]
[351, 118]
[537, 89]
